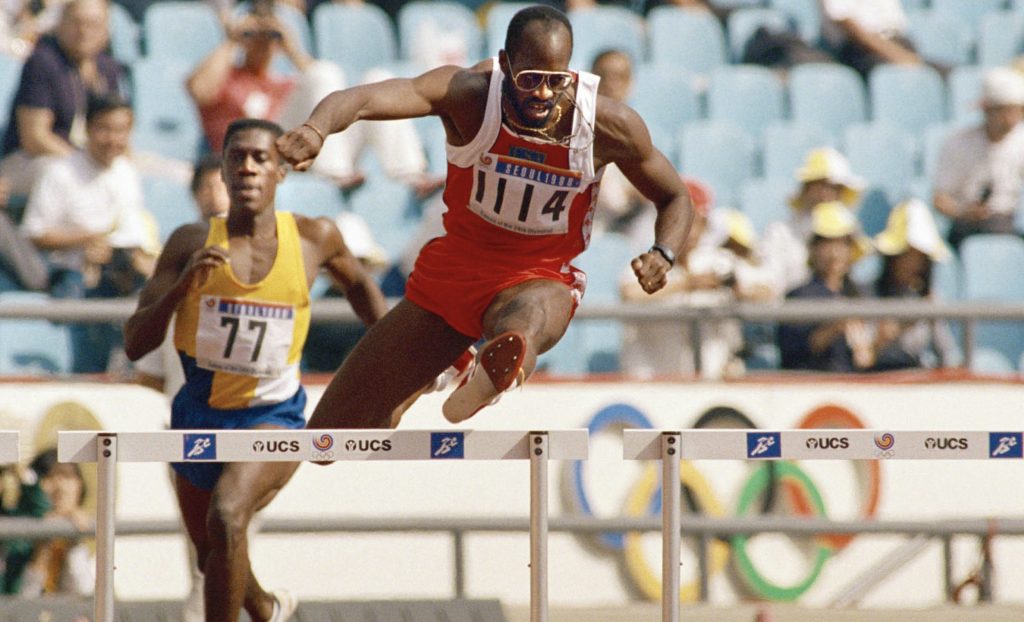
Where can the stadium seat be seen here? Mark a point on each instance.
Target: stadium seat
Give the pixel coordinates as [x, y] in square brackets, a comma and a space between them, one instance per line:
[355, 36]
[171, 204]
[181, 31]
[166, 120]
[309, 195]
[296, 22]
[830, 96]
[1000, 37]
[687, 38]
[979, 254]
[605, 262]
[964, 91]
[750, 96]
[744, 22]
[498, 16]
[666, 97]
[947, 279]
[10, 76]
[806, 14]
[606, 28]
[883, 154]
[765, 200]
[873, 209]
[124, 35]
[390, 211]
[718, 153]
[422, 19]
[32, 346]
[939, 38]
[966, 12]
[785, 145]
[910, 96]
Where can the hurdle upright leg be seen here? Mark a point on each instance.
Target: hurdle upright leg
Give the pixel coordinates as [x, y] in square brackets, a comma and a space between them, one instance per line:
[670, 526]
[106, 470]
[538, 442]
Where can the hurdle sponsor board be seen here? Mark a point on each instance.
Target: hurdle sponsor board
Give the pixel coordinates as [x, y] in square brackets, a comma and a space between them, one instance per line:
[321, 445]
[9, 444]
[827, 444]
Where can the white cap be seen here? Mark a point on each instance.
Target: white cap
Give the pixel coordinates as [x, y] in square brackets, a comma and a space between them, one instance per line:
[1002, 86]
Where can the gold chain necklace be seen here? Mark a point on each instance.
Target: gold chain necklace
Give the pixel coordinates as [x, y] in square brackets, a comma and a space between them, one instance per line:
[544, 133]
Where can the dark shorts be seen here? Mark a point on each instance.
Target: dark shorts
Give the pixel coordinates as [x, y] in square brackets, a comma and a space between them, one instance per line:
[188, 414]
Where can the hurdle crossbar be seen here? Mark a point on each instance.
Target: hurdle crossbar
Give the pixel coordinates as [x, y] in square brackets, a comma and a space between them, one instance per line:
[9, 447]
[671, 446]
[107, 449]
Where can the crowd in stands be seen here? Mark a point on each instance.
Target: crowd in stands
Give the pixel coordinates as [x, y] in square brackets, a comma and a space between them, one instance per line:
[833, 149]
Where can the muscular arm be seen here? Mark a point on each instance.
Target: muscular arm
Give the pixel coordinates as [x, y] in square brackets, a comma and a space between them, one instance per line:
[207, 80]
[147, 327]
[344, 268]
[35, 132]
[622, 138]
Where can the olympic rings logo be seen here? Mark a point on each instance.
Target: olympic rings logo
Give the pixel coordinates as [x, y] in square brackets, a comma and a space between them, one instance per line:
[760, 493]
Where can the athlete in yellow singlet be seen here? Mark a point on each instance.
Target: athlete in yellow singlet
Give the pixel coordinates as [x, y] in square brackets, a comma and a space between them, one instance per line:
[240, 288]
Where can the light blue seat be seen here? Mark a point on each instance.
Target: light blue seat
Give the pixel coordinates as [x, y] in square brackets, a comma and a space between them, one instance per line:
[430, 19]
[389, 209]
[964, 91]
[806, 14]
[181, 31]
[940, 38]
[10, 76]
[1000, 37]
[967, 12]
[991, 361]
[750, 96]
[498, 17]
[33, 347]
[606, 28]
[605, 262]
[992, 269]
[309, 195]
[830, 96]
[765, 200]
[355, 36]
[687, 38]
[666, 97]
[718, 153]
[166, 120]
[744, 22]
[883, 154]
[910, 96]
[947, 279]
[171, 204]
[785, 145]
[873, 211]
[124, 35]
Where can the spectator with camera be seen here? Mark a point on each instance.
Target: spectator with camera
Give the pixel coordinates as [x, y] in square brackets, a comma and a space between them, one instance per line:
[86, 214]
[980, 172]
[236, 80]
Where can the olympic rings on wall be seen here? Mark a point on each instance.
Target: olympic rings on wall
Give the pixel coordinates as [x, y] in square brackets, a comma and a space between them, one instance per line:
[645, 500]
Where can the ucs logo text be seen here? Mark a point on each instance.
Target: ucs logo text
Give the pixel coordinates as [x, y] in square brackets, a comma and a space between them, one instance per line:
[828, 442]
[275, 447]
[945, 442]
[368, 445]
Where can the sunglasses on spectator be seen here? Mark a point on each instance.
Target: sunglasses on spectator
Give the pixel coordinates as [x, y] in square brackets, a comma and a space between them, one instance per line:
[530, 80]
[266, 34]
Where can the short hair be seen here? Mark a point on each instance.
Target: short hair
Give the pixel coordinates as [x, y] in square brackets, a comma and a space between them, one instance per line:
[549, 16]
[242, 125]
[102, 104]
[206, 164]
[609, 53]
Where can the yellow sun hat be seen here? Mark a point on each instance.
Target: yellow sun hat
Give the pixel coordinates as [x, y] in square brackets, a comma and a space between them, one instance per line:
[726, 224]
[911, 225]
[833, 219]
[825, 163]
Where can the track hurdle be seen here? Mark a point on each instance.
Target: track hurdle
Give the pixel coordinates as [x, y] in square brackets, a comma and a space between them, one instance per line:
[107, 449]
[670, 446]
[9, 447]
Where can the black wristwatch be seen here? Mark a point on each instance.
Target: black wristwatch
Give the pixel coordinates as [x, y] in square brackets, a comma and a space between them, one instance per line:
[665, 252]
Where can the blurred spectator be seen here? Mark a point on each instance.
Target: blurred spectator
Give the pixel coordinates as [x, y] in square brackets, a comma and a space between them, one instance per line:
[824, 176]
[21, 266]
[86, 212]
[48, 112]
[911, 245]
[23, 22]
[224, 91]
[980, 172]
[840, 346]
[719, 266]
[866, 33]
[49, 490]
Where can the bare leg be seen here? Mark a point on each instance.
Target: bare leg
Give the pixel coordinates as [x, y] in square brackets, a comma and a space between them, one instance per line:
[400, 355]
[242, 490]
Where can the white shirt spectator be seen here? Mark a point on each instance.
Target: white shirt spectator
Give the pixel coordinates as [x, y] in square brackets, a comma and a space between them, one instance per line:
[970, 166]
[74, 192]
